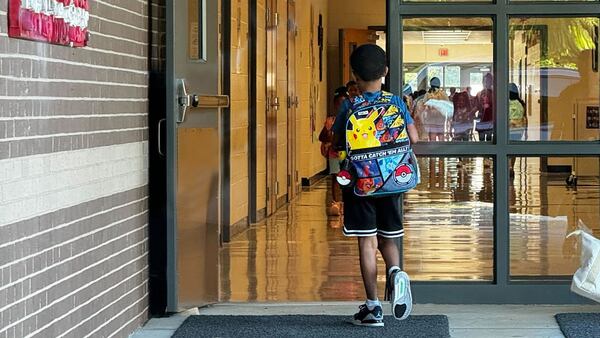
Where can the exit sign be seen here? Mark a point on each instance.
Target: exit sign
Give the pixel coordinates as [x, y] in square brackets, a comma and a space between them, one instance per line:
[443, 52]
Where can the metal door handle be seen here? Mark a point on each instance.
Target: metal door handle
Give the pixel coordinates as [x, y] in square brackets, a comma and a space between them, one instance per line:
[275, 103]
[186, 100]
[160, 152]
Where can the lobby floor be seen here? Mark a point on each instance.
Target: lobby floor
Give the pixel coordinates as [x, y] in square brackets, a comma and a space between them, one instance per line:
[466, 321]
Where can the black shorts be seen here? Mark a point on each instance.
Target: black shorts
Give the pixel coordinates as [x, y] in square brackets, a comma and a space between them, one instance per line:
[370, 216]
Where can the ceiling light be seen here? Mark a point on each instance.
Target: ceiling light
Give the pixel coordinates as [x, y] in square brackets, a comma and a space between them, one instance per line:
[446, 37]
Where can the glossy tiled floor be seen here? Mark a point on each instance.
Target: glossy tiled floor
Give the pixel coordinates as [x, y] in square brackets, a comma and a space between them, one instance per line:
[299, 254]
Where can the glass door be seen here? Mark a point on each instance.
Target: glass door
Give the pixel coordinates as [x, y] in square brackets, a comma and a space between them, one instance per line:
[499, 93]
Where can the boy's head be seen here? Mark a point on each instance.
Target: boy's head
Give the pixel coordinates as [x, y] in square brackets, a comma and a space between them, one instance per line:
[369, 63]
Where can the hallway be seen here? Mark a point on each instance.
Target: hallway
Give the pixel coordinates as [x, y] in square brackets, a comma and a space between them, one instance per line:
[299, 254]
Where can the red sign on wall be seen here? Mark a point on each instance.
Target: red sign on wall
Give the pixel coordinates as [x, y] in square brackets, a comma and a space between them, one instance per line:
[62, 22]
[443, 52]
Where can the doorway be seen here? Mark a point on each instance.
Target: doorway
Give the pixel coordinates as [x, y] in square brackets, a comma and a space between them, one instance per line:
[489, 171]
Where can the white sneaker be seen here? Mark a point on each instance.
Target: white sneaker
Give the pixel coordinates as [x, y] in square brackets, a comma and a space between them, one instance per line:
[401, 295]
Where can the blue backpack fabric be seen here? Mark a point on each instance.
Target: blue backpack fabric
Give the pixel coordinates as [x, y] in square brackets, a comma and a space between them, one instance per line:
[378, 148]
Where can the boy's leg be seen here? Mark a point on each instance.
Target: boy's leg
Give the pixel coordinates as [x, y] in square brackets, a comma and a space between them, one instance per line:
[368, 264]
[391, 256]
[360, 221]
[389, 229]
[389, 251]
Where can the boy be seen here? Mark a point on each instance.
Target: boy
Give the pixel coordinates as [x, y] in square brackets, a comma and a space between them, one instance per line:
[375, 221]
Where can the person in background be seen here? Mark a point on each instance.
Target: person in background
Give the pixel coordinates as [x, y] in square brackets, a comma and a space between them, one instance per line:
[435, 110]
[353, 89]
[416, 111]
[485, 108]
[335, 208]
[473, 99]
[462, 121]
[517, 120]
[452, 93]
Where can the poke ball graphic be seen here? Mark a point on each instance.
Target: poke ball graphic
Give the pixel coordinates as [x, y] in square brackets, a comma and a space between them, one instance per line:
[403, 174]
[344, 178]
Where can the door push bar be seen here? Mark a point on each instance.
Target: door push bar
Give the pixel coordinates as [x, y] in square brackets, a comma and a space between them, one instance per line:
[185, 100]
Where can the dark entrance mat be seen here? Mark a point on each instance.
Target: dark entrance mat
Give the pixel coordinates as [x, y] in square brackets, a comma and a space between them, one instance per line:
[579, 325]
[309, 326]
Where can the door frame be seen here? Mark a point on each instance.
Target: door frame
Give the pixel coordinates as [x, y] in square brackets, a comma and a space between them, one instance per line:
[252, 123]
[501, 289]
[225, 126]
[292, 106]
[272, 108]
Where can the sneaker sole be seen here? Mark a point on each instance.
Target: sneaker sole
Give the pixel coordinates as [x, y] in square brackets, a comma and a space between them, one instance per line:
[359, 323]
[401, 304]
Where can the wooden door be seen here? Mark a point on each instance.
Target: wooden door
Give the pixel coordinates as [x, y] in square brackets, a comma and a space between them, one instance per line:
[350, 39]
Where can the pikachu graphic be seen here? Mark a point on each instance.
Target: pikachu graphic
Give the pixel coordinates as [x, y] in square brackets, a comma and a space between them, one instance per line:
[364, 132]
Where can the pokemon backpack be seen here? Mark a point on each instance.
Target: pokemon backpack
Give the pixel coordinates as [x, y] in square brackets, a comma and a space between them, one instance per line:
[379, 159]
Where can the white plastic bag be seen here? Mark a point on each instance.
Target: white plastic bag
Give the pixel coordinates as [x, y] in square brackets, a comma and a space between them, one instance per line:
[586, 280]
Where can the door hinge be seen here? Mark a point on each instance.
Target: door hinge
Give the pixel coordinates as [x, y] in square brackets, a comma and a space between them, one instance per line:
[276, 188]
[289, 180]
[272, 19]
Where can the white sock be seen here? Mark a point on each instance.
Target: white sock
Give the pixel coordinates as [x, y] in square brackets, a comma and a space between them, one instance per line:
[371, 304]
[393, 268]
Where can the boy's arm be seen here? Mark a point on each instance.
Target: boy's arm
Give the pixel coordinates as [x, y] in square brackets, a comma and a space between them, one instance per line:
[413, 135]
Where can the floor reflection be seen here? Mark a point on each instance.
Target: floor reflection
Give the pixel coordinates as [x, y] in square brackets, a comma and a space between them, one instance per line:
[299, 254]
[543, 211]
[449, 221]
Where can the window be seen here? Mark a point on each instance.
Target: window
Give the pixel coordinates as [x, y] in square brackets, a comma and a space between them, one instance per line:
[554, 84]
[448, 63]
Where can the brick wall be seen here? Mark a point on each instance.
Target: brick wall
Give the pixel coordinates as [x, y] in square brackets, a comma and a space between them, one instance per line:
[73, 179]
